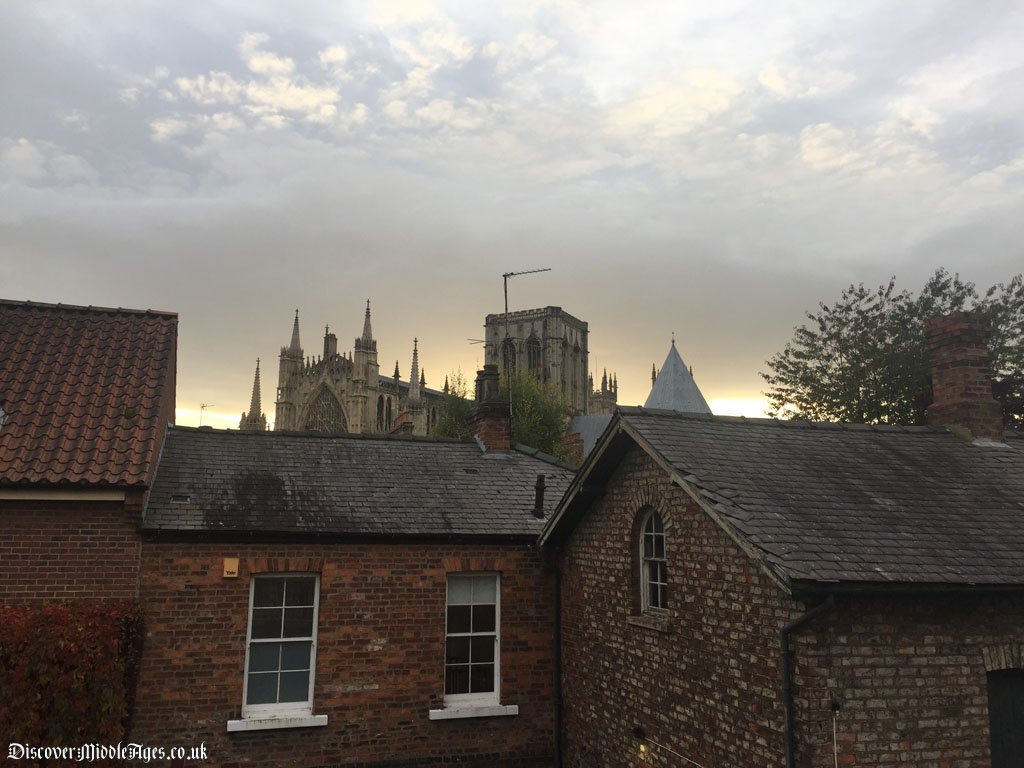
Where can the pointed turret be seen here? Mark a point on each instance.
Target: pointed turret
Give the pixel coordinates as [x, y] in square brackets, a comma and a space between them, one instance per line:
[654, 373]
[295, 348]
[255, 420]
[445, 385]
[423, 379]
[367, 336]
[674, 388]
[414, 375]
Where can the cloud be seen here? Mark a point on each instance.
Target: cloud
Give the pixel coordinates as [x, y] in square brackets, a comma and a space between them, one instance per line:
[528, 48]
[24, 161]
[669, 108]
[263, 62]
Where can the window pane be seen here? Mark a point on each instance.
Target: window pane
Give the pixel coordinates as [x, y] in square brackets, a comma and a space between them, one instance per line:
[656, 526]
[659, 546]
[458, 618]
[264, 657]
[300, 591]
[483, 618]
[298, 622]
[483, 649]
[456, 679]
[266, 622]
[294, 686]
[460, 590]
[482, 678]
[485, 589]
[456, 650]
[268, 592]
[262, 689]
[648, 545]
[295, 655]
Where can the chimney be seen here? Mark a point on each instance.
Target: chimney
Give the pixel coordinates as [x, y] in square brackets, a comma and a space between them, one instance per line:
[491, 421]
[961, 376]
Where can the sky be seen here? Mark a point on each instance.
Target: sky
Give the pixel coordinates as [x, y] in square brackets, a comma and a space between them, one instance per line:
[708, 170]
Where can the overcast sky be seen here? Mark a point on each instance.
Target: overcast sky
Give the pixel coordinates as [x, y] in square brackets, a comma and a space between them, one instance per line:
[708, 169]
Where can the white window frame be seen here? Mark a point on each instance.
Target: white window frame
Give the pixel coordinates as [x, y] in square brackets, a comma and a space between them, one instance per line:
[487, 697]
[645, 564]
[291, 708]
[486, 704]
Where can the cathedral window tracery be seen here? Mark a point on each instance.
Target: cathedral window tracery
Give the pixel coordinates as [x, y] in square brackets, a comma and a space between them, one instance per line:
[325, 414]
[533, 355]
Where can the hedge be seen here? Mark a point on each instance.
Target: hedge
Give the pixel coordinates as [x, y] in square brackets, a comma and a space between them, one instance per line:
[67, 672]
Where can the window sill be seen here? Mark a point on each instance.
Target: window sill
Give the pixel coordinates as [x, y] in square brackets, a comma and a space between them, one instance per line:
[279, 721]
[651, 621]
[458, 712]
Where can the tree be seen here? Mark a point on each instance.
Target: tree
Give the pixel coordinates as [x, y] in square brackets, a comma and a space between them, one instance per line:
[455, 409]
[864, 359]
[539, 412]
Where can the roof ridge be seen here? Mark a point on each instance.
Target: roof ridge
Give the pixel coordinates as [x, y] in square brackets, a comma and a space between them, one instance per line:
[83, 308]
[271, 433]
[637, 410]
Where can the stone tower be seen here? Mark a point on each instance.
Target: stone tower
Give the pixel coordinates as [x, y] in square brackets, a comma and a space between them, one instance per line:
[549, 343]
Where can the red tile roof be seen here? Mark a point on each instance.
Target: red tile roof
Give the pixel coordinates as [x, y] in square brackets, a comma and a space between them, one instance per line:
[86, 393]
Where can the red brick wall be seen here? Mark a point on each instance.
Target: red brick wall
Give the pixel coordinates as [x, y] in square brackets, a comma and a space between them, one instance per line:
[708, 687]
[67, 551]
[379, 666]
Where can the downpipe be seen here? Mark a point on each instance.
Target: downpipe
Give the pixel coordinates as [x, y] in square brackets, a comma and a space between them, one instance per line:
[827, 605]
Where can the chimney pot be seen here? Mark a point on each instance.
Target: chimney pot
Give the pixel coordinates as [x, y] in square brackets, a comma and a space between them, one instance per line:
[491, 420]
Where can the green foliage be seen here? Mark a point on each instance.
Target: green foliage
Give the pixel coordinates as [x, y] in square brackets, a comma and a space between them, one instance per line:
[864, 359]
[455, 409]
[539, 413]
[67, 672]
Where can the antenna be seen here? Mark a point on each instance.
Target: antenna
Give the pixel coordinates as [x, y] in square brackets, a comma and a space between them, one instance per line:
[203, 407]
[506, 352]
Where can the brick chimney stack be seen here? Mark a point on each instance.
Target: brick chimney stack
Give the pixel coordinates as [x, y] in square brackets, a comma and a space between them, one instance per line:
[961, 376]
[491, 420]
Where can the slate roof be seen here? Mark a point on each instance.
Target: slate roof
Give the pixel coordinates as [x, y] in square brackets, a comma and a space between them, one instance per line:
[838, 503]
[590, 427]
[280, 482]
[85, 393]
[674, 389]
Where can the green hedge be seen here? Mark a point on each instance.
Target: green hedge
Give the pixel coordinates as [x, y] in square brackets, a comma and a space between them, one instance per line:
[67, 672]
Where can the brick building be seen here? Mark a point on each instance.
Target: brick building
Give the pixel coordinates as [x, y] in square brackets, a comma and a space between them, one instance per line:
[747, 592]
[350, 600]
[86, 394]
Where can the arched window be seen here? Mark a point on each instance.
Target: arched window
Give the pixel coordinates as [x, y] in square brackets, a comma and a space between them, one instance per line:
[653, 565]
[508, 355]
[380, 413]
[533, 355]
[325, 414]
[387, 415]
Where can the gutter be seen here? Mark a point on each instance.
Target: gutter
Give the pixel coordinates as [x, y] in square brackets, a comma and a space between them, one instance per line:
[826, 606]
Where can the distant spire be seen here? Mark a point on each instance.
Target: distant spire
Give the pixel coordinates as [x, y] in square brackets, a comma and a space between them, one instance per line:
[254, 420]
[367, 331]
[396, 371]
[615, 383]
[414, 375]
[295, 347]
[604, 381]
[254, 403]
[423, 378]
[654, 374]
[446, 385]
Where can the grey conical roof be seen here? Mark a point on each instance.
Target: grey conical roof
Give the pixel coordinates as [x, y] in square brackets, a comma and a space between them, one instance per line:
[675, 389]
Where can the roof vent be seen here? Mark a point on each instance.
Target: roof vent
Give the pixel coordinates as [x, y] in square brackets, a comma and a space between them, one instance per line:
[180, 498]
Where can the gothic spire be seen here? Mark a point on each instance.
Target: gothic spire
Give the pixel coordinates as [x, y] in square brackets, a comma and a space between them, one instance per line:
[396, 372]
[254, 420]
[295, 347]
[367, 336]
[423, 378]
[414, 375]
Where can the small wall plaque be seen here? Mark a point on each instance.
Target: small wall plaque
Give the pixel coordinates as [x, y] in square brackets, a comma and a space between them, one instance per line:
[230, 567]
